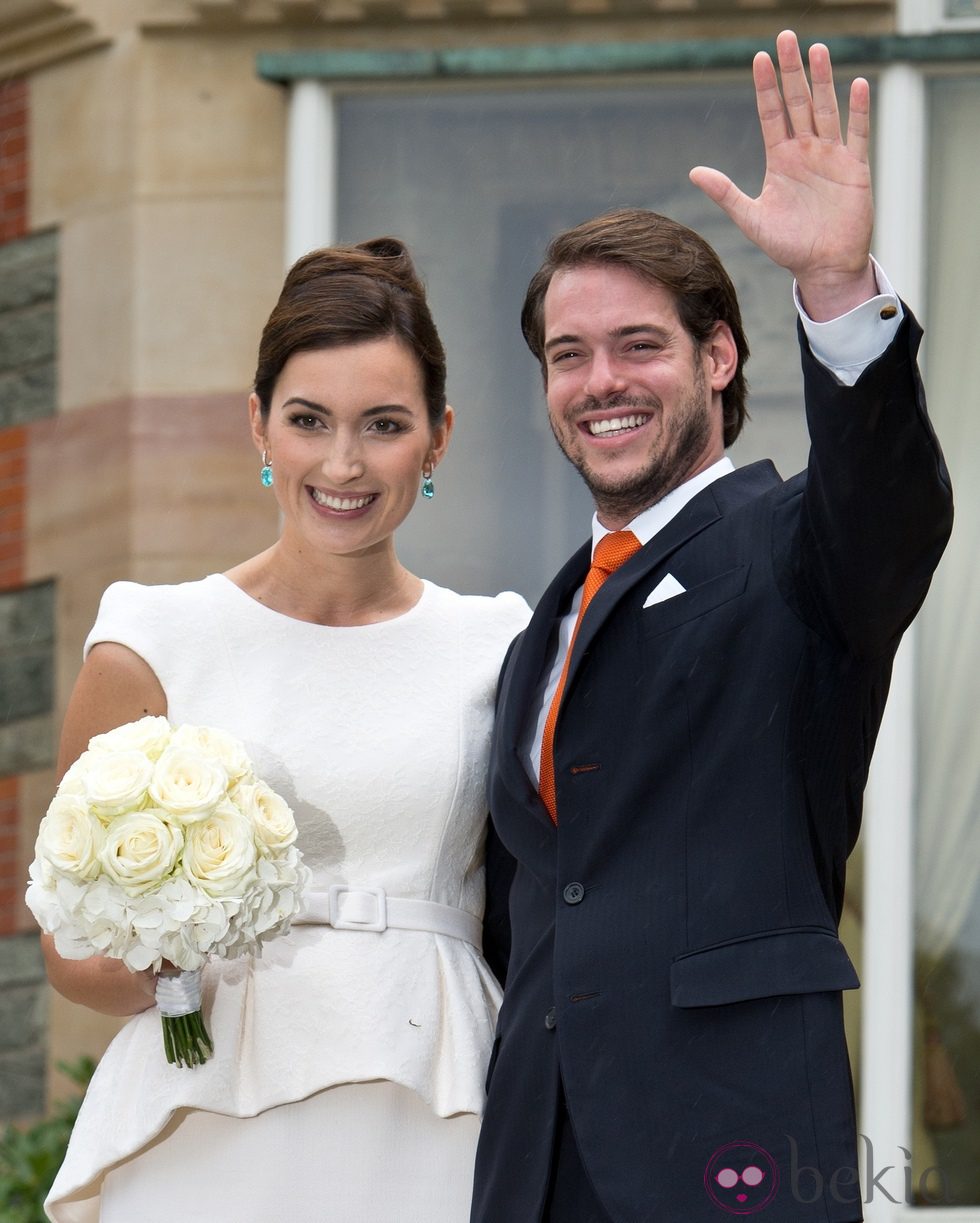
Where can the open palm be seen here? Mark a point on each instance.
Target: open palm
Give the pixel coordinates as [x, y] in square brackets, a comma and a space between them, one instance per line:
[814, 214]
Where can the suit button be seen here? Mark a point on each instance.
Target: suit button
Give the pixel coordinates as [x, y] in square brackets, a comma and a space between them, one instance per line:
[551, 1020]
[574, 893]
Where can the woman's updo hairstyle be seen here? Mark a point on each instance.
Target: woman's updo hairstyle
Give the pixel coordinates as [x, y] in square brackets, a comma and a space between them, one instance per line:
[347, 295]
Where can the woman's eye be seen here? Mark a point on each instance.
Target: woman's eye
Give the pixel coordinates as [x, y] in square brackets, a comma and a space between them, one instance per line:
[305, 420]
[386, 426]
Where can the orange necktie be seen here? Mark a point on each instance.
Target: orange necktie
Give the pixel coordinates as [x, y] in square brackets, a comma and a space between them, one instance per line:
[611, 551]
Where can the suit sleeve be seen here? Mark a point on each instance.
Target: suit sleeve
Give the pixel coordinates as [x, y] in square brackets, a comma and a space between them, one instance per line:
[500, 867]
[875, 511]
[500, 870]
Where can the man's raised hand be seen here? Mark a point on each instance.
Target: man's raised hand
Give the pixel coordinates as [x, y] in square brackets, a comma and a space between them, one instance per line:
[814, 215]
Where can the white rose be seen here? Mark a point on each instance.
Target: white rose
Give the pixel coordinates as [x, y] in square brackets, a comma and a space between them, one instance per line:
[187, 785]
[219, 851]
[218, 745]
[148, 735]
[270, 815]
[114, 781]
[140, 850]
[70, 837]
[73, 781]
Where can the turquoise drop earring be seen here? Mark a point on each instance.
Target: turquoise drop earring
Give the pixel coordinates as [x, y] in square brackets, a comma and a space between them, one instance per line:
[428, 488]
[265, 474]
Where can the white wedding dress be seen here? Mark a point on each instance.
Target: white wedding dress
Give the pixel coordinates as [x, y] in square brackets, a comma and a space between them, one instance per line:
[347, 1075]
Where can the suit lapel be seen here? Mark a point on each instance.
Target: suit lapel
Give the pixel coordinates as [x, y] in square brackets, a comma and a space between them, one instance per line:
[534, 650]
[700, 512]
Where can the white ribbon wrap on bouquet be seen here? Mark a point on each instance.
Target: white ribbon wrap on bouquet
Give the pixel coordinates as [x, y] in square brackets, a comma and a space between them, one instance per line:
[179, 993]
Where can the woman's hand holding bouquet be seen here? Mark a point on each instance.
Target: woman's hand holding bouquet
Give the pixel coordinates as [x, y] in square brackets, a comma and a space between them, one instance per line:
[161, 848]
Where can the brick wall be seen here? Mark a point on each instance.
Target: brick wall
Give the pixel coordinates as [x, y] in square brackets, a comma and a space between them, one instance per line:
[13, 224]
[13, 467]
[28, 281]
[13, 159]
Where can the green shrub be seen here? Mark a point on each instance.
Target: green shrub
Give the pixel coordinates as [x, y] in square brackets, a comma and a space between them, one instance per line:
[29, 1158]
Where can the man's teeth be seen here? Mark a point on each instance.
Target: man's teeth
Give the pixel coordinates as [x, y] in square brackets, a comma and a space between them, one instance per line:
[340, 503]
[618, 424]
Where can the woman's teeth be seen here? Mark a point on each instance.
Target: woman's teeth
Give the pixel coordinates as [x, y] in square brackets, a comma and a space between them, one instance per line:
[340, 503]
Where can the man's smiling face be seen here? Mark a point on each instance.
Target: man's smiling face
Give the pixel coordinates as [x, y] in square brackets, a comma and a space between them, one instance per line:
[633, 402]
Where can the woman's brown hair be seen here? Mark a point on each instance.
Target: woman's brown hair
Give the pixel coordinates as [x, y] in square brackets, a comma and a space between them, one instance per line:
[348, 295]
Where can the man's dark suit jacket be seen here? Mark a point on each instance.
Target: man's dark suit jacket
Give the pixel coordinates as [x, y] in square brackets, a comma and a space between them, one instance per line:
[674, 955]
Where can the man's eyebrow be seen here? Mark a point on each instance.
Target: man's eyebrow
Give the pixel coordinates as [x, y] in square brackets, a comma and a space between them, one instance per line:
[561, 339]
[640, 329]
[618, 333]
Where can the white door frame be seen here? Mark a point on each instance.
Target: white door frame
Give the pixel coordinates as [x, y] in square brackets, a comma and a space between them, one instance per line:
[899, 108]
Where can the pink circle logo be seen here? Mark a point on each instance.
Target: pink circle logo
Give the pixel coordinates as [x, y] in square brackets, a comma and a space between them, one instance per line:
[741, 1178]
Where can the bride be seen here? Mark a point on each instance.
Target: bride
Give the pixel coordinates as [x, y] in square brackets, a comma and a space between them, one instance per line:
[347, 1075]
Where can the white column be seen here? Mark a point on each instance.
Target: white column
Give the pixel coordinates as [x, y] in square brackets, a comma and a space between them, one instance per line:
[311, 173]
[918, 16]
[889, 833]
[899, 101]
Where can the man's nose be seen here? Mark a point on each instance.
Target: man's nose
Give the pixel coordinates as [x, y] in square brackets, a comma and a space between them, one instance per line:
[605, 376]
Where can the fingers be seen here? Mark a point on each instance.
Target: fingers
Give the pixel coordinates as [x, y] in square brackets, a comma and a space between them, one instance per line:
[720, 188]
[713, 183]
[826, 116]
[796, 106]
[769, 102]
[859, 118]
[796, 90]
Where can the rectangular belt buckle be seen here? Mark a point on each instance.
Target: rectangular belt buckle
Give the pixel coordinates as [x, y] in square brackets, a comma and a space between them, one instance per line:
[363, 908]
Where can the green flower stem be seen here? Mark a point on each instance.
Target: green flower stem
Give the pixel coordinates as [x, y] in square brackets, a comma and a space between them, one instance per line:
[185, 1039]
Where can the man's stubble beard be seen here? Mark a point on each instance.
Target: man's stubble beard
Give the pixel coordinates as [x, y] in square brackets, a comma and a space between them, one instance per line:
[677, 451]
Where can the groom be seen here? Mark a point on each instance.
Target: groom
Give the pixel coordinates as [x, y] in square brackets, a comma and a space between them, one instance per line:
[685, 728]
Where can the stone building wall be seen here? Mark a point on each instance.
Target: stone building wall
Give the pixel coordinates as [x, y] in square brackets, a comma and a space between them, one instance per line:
[28, 305]
[23, 1015]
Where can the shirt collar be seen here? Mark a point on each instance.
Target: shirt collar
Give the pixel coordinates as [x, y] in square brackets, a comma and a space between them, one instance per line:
[644, 526]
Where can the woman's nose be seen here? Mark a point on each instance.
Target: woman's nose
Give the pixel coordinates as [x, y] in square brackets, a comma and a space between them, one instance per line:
[343, 463]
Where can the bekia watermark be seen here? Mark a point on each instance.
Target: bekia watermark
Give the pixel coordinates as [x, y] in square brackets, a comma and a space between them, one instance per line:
[742, 1178]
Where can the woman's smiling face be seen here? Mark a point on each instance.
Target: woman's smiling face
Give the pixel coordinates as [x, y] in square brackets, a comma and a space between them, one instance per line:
[348, 435]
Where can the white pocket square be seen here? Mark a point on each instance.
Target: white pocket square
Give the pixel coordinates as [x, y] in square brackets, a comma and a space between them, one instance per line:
[666, 588]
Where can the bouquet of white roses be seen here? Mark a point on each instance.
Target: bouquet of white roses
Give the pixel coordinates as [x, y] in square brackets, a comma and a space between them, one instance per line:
[162, 846]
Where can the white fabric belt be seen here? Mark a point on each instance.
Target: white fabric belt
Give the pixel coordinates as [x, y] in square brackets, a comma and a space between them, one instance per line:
[354, 908]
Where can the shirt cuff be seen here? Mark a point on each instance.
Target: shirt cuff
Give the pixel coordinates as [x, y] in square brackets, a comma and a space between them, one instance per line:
[847, 345]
